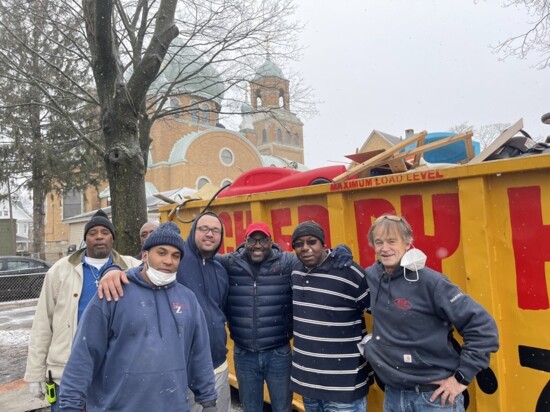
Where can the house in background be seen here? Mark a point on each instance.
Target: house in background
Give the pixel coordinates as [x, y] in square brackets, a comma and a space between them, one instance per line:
[21, 221]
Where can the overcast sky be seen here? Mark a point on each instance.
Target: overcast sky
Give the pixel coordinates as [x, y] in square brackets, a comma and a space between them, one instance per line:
[392, 65]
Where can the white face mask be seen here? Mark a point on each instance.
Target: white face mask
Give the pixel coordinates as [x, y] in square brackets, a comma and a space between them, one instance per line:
[413, 259]
[159, 278]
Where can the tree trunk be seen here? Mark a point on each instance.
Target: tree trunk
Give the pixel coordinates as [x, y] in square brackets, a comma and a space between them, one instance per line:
[126, 174]
[38, 216]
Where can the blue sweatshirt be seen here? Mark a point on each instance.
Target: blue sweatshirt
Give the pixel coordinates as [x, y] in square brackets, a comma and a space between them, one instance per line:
[208, 280]
[140, 353]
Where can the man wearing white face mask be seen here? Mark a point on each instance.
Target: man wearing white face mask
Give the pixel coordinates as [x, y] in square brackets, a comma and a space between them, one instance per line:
[141, 352]
[414, 309]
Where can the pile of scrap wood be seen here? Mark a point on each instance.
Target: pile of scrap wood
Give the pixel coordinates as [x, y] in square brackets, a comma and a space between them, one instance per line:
[397, 160]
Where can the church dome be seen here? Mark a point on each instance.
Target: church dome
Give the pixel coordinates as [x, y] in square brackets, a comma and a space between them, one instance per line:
[246, 108]
[183, 62]
[269, 69]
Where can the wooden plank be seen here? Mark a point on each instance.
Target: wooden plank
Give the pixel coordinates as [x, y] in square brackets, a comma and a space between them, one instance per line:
[397, 165]
[499, 141]
[466, 136]
[380, 158]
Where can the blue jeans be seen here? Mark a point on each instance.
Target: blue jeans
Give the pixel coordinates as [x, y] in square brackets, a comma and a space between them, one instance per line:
[273, 367]
[318, 405]
[401, 400]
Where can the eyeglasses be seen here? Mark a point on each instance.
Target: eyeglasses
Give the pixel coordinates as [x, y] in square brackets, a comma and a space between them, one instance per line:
[300, 244]
[206, 229]
[252, 241]
[393, 218]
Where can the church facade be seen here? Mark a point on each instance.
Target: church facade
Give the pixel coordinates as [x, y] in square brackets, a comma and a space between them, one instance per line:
[193, 148]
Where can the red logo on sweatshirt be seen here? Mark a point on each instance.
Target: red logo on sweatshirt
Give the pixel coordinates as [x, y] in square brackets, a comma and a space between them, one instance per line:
[179, 307]
[402, 304]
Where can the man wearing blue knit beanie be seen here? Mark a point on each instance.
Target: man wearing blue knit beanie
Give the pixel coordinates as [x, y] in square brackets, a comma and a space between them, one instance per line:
[144, 351]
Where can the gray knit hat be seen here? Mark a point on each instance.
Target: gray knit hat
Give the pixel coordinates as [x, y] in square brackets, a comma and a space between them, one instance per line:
[165, 234]
[99, 219]
[309, 229]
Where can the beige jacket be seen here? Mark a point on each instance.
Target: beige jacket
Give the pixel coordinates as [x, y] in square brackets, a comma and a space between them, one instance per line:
[55, 320]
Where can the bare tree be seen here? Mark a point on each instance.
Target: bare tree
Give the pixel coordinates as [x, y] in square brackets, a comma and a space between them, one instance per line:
[129, 46]
[40, 149]
[484, 134]
[535, 39]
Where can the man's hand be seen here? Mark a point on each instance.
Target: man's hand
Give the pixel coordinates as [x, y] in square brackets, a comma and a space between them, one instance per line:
[209, 406]
[341, 257]
[110, 285]
[449, 389]
[37, 389]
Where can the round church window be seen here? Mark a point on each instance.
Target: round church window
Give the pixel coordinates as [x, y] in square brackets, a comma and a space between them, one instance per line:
[227, 157]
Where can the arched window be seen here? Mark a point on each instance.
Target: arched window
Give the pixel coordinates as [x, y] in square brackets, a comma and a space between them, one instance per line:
[226, 182]
[194, 111]
[205, 113]
[201, 181]
[264, 136]
[296, 140]
[279, 136]
[288, 138]
[282, 98]
[258, 99]
[175, 105]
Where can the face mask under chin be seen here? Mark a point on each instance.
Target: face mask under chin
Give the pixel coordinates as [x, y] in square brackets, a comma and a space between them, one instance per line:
[159, 278]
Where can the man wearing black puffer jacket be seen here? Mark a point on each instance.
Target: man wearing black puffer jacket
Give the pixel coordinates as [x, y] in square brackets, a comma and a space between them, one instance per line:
[259, 315]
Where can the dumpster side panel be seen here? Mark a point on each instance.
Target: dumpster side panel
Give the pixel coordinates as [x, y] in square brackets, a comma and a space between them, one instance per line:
[486, 226]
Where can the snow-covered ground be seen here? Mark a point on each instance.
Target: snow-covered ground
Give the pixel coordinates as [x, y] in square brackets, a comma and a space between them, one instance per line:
[15, 325]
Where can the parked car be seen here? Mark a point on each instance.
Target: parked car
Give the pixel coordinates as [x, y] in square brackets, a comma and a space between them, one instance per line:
[21, 277]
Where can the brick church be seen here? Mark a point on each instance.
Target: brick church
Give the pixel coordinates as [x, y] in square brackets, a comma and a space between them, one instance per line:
[191, 149]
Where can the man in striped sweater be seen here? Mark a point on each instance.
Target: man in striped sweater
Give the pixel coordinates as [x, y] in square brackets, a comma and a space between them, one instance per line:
[328, 304]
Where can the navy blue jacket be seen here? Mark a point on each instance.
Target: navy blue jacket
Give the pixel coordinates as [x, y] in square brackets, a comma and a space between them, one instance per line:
[259, 304]
[140, 353]
[208, 280]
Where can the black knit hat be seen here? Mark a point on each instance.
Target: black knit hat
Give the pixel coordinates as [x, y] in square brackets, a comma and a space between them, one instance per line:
[165, 234]
[99, 219]
[309, 229]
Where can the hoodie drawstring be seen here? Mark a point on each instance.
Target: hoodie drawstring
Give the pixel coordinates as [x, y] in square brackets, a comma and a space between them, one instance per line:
[165, 293]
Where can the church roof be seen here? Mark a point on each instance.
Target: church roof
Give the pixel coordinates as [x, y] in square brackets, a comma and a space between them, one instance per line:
[189, 74]
[277, 161]
[179, 150]
[269, 69]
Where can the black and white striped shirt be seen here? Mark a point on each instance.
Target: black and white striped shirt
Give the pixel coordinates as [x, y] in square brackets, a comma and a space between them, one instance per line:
[329, 305]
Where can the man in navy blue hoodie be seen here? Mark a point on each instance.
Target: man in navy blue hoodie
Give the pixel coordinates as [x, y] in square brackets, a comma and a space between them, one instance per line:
[144, 351]
[209, 281]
